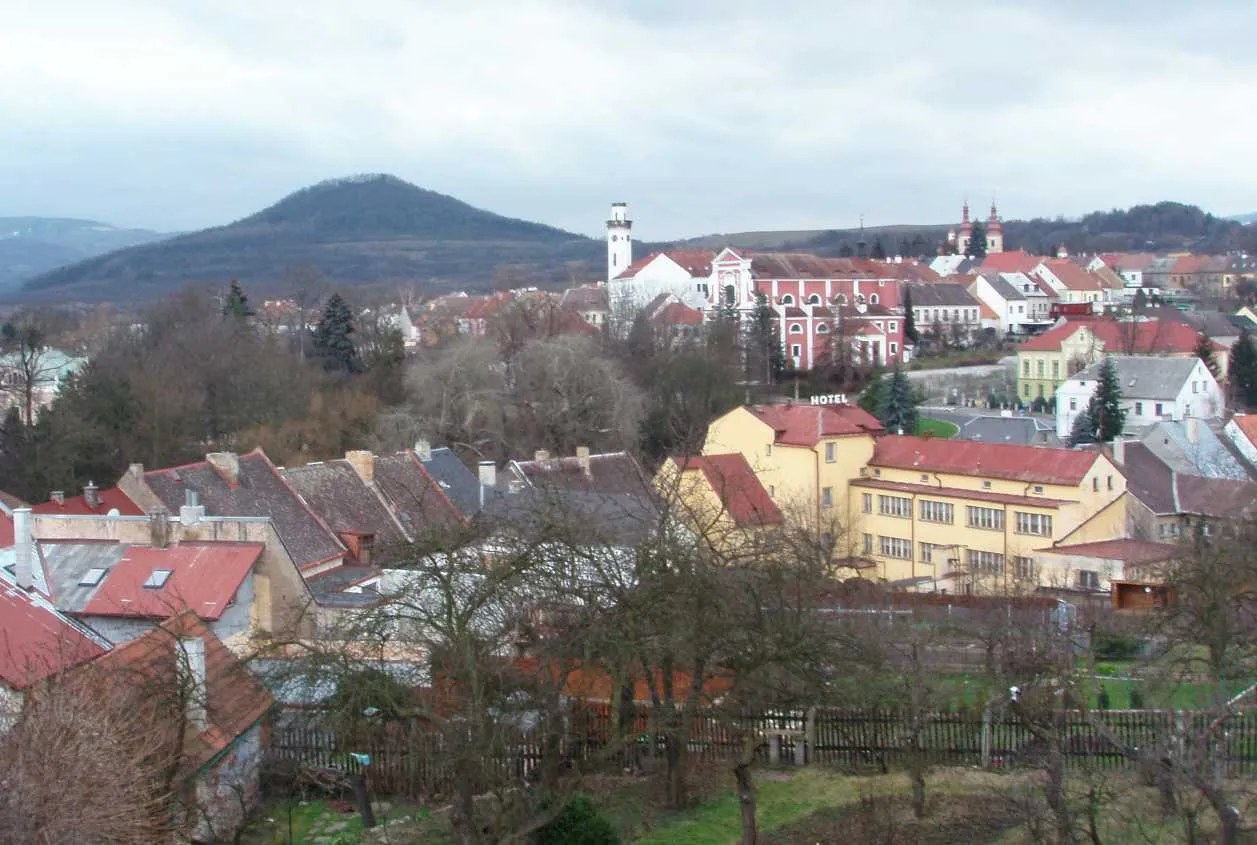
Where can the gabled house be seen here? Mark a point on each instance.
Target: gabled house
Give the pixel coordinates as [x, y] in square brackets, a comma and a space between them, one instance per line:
[1007, 303]
[721, 500]
[1102, 566]
[683, 273]
[590, 302]
[1073, 283]
[1166, 503]
[1017, 261]
[1153, 390]
[1241, 431]
[93, 501]
[947, 310]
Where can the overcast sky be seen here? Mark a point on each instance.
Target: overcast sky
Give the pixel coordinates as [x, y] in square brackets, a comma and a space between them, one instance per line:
[720, 117]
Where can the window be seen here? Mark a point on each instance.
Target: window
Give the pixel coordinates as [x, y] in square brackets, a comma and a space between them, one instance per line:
[874, 298]
[937, 511]
[1158, 407]
[1110, 480]
[892, 326]
[1038, 488]
[1187, 410]
[1139, 409]
[924, 478]
[991, 519]
[868, 544]
[768, 450]
[1025, 369]
[823, 328]
[896, 547]
[827, 497]
[980, 561]
[867, 502]
[772, 491]
[1088, 579]
[1025, 388]
[1095, 483]
[93, 576]
[831, 452]
[795, 350]
[1168, 529]
[894, 348]
[1056, 369]
[1073, 404]
[894, 506]
[814, 299]
[787, 299]
[1193, 387]
[877, 472]
[1024, 568]
[796, 328]
[158, 579]
[927, 552]
[841, 299]
[986, 485]
[877, 323]
[1039, 368]
[1034, 523]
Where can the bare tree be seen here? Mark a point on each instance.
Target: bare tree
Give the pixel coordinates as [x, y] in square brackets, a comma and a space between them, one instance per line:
[27, 371]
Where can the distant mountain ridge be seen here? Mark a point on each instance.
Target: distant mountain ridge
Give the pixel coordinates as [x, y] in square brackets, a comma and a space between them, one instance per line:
[30, 246]
[358, 230]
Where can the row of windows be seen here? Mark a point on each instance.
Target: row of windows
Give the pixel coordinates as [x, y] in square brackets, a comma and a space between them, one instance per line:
[823, 328]
[989, 518]
[980, 561]
[796, 350]
[937, 511]
[895, 506]
[945, 512]
[896, 547]
[976, 559]
[1034, 523]
[930, 315]
[840, 299]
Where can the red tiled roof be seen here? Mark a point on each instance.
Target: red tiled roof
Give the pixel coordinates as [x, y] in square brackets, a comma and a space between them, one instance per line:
[957, 492]
[1010, 262]
[1191, 264]
[986, 311]
[1073, 276]
[10, 501]
[235, 699]
[806, 425]
[696, 262]
[801, 265]
[1033, 464]
[1051, 340]
[6, 530]
[110, 498]
[741, 493]
[204, 578]
[35, 640]
[1247, 424]
[678, 314]
[1147, 337]
[1130, 551]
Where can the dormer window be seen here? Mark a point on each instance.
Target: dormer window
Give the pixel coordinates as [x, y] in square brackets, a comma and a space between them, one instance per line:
[157, 579]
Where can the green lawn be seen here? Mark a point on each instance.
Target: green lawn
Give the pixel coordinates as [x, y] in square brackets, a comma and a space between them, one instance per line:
[936, 428]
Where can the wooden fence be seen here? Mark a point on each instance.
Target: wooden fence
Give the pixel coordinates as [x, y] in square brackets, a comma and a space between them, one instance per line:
[411, 758]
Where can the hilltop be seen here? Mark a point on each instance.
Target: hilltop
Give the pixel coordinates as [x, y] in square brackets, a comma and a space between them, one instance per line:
[358, 230]
[33, 245]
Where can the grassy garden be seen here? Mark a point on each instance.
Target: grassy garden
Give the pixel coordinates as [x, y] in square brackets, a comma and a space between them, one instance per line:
[930, 427]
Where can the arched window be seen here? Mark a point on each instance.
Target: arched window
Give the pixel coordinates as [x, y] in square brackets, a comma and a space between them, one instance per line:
[823, 328]
[874, 299]
[814, 299]
[841, 299]
[859, 299]
[787, 299]
[796, 328]
[731, 295]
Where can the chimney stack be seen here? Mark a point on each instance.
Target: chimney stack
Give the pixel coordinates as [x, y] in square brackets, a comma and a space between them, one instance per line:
[488, 479]
[227, 464]
[423, 449]
[57, 496]
[192, 510]
[363, 462]
[159, 527]
[91, 495]
[23, 566]
[582, 459]
[136, 471]
[1119, 451]
[1193, 429]
[194, 681]
[541, 456]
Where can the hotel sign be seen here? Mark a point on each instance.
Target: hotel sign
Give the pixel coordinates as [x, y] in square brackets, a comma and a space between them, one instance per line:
[829, 399]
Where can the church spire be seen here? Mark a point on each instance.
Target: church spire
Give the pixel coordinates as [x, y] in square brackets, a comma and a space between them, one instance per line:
[964, 212]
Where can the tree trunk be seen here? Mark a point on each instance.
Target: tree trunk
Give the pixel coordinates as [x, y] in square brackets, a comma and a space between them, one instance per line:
[1228, 816]
[917, 774]
[1057, 801]
[674, 758]
[463, 808]
[746, 800]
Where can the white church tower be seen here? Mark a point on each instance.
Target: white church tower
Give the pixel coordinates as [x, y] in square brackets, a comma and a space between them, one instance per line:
[619, 240]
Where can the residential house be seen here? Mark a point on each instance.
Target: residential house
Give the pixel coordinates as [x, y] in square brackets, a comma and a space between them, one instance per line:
[722, 500]
[1046, 361]
[969, 516]
[804, 455]
[47, 370]
[1006, 300]
[461, 487]
[1101, 566]
[1165, 503]
[809, 332]
[590, 302]
[1017, 261]
[1197, 447]
[953, 265]
[1129, 266]
[673, 319]
[1152, 389]
[1072, 283]
[948, 310]
[1241, 431]
[1017, 430]
[93, 501]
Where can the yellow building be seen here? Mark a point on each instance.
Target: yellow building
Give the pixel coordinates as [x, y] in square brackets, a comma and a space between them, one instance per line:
[804, 455]
[721, 500]
[967, 516]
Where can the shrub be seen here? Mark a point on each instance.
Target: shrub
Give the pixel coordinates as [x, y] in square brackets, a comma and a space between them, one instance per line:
[1103, 703]
[1136, 699]
[1115, 647]
[578, 823]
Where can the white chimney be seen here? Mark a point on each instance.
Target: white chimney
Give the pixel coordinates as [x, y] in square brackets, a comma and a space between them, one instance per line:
[91, 495]
[192, 511]
[424, 450]
[57, 496]
[541, 456]
[193, 679]
[1119, 451]
[582, 459]
[488, 479]
[1193, 429]
[227, 464]
[23, 567]
[363, 462]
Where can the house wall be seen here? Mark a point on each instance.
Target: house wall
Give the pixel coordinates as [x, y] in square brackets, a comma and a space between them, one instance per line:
[661, 275]
[1199, 397]
[230, 788]
[1065, 571]
[705, 513]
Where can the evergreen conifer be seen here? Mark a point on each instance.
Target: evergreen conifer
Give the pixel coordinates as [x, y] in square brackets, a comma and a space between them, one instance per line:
[332, 341]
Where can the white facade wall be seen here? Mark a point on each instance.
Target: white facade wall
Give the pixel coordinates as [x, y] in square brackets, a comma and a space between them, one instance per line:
[1241, 442]
[1199, 397]
[661, 275]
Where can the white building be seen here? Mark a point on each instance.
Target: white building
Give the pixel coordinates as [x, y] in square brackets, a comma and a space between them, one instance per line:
[1154, 389]
[619, 240]
[683, 273]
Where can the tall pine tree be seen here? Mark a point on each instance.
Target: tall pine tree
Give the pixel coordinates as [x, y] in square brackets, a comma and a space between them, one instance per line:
[765, 357]
[1083, 430]
[873, 396]
[977, 242]
[899, 409]
[909, 321]
[1204, 351]
[1105, 407]
[1243, 370]
[236, 302]
[332, 341]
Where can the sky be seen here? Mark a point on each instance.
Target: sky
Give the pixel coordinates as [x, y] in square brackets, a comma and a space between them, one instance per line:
[706, 117]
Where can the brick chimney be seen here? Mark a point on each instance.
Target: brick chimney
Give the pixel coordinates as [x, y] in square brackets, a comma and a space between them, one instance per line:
[541, 456]
[423, 449]
[363, 462]
[488, 479]
[159, 527]
[227, 464]
[91, 495]
[57, 496]
[582, 459]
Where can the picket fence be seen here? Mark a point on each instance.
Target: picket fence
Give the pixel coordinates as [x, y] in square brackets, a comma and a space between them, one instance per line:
[410, 758]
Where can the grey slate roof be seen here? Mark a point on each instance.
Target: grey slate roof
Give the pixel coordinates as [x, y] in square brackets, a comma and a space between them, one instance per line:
[65, 564]
[339, 495]
[260, 491]
[1022, 431]
[458, 482]
[583, 516]
[421, 503]
[934, 296]
[1144, 376]
[611, 472]
[1210, 456]
[1001, 285]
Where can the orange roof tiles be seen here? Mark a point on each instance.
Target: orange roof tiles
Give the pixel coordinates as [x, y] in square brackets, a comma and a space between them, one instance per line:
[806, 425]
[1010, 262]
[37, 640]
[739, 489]
[1031, 464]
[110, 498]
[204, 578]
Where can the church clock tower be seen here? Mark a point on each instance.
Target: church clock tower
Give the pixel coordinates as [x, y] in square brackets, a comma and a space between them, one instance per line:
[619, 240]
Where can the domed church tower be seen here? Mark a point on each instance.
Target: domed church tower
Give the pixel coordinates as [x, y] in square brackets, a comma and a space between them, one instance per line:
[994, 232]
[619, 240]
